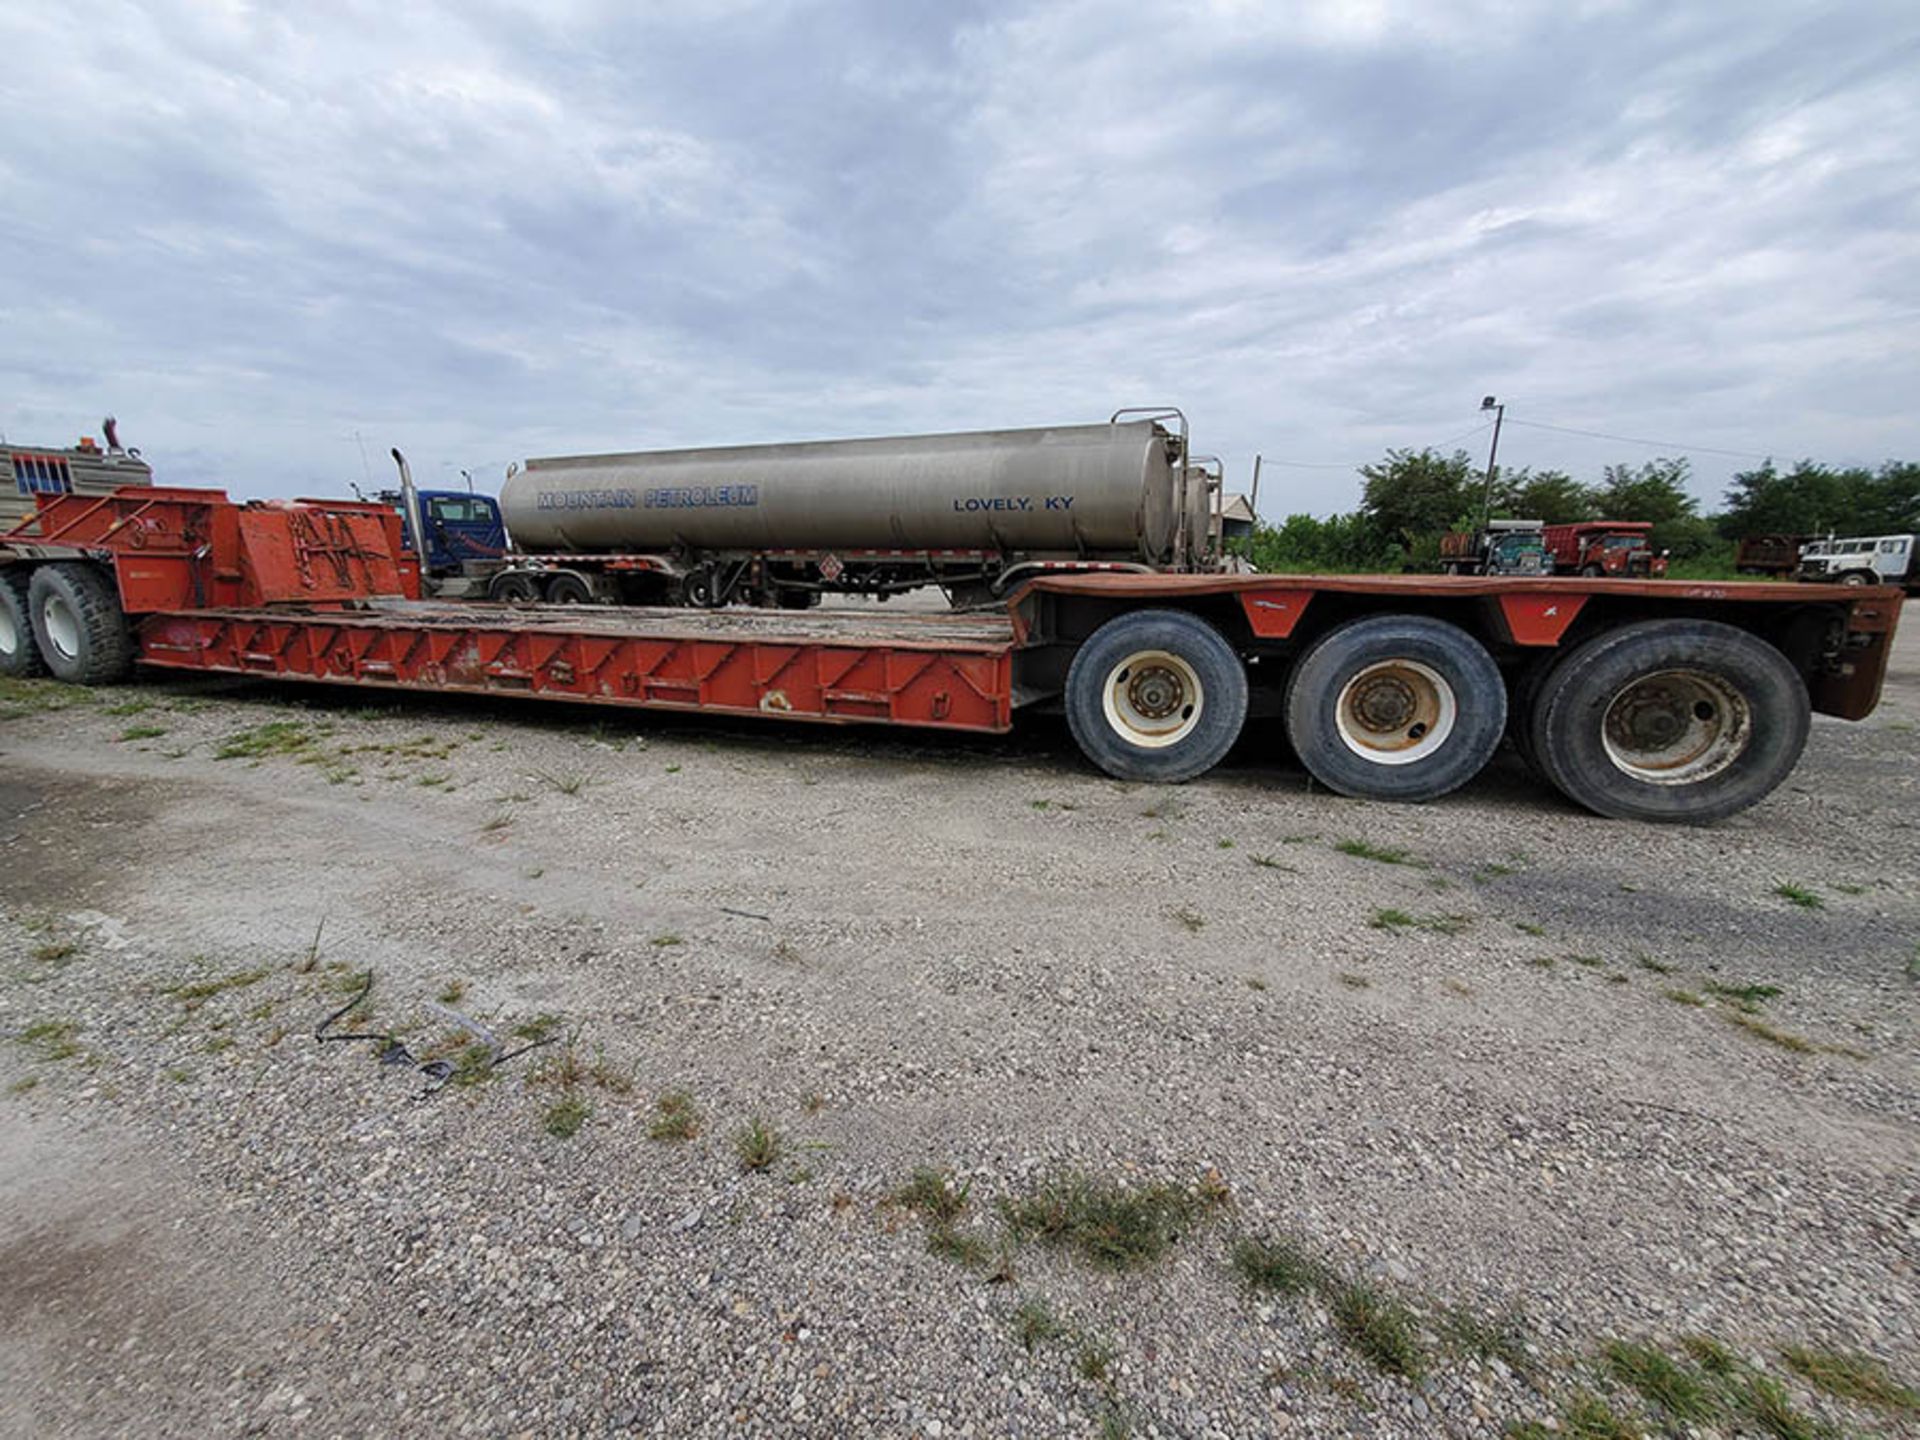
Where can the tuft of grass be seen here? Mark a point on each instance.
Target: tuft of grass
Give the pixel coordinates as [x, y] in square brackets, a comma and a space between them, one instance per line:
[276, 737]
[1108, 1224]
[1391, 919]
[1678, 1390]
[128, 707]
[23, 1084]
[1850, 1376]
[494, 824]
[1747, 997]
[53, 1038]
[194, 992]
[142, 732]
[1503, 1337]
[1379, 854]
[757, 1145]
[1683, 997]
[1799, 895]
[1587, 1417]
[566, 782]
[1379, 1327]
[674, 1117]
[1658, 967]
[1527, 927]
[962, 1249]
[565, 1116]
[1034, 1323]
[1588, 962]
[541, 1027]
[472, 1065]
[1223, 844]
[1189, 917]
[1353, 981]
[1277, 1267]
[666, 941]
[453, 992]
[1763, 1402]
[1094, 1359]
[1761, 1030]
[1711, 1356]
[932, 1193]
[54, 951]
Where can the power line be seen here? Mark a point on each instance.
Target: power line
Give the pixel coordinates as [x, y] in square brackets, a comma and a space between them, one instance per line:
[1637, 440]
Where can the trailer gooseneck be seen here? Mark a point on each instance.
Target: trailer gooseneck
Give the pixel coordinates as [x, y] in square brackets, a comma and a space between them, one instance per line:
[1652, 700]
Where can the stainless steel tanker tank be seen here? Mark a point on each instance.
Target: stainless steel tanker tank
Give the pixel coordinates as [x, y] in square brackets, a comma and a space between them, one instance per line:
[1109, 490]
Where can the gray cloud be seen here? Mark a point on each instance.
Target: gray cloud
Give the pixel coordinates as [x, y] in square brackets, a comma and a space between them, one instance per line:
[484, 232]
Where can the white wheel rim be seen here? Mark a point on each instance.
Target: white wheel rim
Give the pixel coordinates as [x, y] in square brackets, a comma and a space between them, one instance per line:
[1153, 699]
[63, 627]
[1396, 712]
[1676, 727]
[9, 633]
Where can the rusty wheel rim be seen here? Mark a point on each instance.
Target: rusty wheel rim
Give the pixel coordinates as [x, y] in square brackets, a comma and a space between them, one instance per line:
[1676, 727]
[1396, 712]
[1153, 698]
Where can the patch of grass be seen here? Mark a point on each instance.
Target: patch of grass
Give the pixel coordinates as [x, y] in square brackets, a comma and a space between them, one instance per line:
[1391, 919]
[1588, 962]
[1658, 967]
[472, 1065]
[1683, 997]
[1034, 1323]
[1223, 844]
[196, 991]
[1710, 1355]
[23, 1084]
[1093, 1361]
[1502, 1337]
[1587, 1417]
[567, 782]
[565, 1116]
[1353, 981]
[1379, 1327]
[53, 1038]
[1850, 1376]
[494, 824]
[674, 1117]
[1379, 854]
[543, 1026]
[54, 951]
[453, 992]
[276, 737]
[142, 732]
[1527, 927]
[1254, 982]
[932, 1193]
[1491, 872]
[1276, 1267]
[1763, 1402]
[1761, 1030]
[19, 698]
[1848, 887]
[128, 707]
[969, 1251]
[666, 941]
[1542, 962]
[1108, 1224]
[1189, 917]
[1799, 895]
[1747, 997]
[757, 1145]
[1678, 1390]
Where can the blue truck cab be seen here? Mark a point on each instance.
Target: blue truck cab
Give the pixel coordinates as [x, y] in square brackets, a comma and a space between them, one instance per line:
[461, 529]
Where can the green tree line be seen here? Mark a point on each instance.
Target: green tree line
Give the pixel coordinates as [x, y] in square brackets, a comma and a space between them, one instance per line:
[1412, 496]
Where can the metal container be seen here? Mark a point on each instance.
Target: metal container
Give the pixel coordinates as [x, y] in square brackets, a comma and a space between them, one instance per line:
[1078, 490]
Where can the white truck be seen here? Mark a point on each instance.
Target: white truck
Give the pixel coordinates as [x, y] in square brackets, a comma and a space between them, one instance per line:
[1863, 560]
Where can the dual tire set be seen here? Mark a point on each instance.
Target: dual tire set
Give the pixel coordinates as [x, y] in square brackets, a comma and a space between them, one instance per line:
[1680, 720]
[63, 619]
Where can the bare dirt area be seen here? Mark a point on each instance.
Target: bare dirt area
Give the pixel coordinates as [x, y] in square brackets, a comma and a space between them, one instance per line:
[1245, 1110]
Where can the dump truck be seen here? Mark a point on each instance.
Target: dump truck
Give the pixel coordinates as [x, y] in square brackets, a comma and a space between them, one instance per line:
[29, 471]
[779, 526]
[1504, 547]
[1604, 547]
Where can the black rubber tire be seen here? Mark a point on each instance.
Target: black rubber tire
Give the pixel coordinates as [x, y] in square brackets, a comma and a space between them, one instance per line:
[1222, 704]
[1570, 708]
[569, 590]
[102, 642]
[19, 651]
[1521, 691]
[1321, 675]
[1591, 572]
[1858, 577]
[515, 590]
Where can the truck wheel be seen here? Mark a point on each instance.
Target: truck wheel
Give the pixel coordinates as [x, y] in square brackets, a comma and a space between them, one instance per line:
[1156, 695]
[1670, 720]
[1591, 572]
[515, 590]
[569, 590]
[1856, 577]
[19, 653]
[1395, 707]
[77, 622]
[1521, 691]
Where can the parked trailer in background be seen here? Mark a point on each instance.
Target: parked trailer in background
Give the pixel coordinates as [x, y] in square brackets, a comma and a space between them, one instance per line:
[1769, 554]
[1641, 699]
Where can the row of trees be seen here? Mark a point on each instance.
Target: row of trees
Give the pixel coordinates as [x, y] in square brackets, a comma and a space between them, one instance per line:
[1413, 496]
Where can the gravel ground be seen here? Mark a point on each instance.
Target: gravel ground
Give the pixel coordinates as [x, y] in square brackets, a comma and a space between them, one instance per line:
[1476, 1079]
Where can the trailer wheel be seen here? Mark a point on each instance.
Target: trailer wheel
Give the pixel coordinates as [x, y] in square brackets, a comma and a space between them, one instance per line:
[1156, 695]
[569, 590]
[515, 590]
[19, 652]
[78, 624]
[1395, 707]
[1670, 720]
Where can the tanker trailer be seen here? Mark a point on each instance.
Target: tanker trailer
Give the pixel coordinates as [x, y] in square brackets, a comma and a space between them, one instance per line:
[782, 524]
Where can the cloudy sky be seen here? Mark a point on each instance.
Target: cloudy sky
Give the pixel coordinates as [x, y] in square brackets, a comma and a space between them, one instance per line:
[483, 231]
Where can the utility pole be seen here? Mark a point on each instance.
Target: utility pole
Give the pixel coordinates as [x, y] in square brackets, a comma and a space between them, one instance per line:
[1493, 452]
